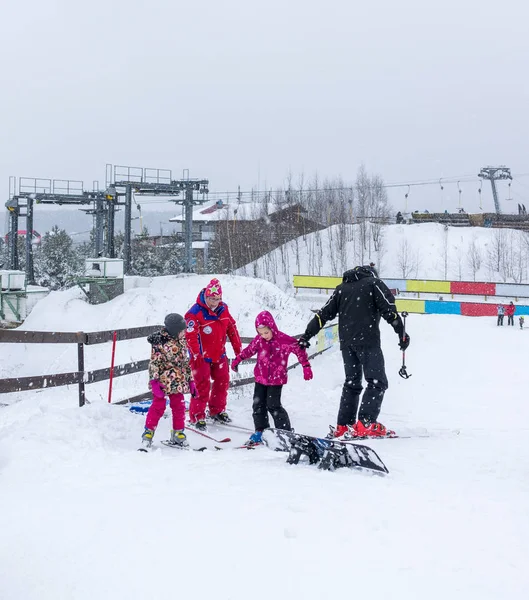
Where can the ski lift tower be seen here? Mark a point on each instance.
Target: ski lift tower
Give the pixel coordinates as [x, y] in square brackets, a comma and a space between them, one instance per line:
[494, 174]
[156, 182]
[50, 191]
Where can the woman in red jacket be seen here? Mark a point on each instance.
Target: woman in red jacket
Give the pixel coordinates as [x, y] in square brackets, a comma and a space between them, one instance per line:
[208, 324]
[509, 311]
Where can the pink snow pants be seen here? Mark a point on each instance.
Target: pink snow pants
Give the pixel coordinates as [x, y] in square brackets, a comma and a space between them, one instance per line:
[157, 408]
[213, 395]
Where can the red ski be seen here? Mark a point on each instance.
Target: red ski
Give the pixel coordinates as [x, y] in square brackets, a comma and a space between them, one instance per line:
[206, 435]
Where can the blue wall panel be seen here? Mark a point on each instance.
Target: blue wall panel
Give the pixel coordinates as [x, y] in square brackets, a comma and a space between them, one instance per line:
[434, 307]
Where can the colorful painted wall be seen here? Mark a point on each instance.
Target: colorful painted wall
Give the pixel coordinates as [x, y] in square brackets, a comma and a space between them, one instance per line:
[470, 288]
[439, 307]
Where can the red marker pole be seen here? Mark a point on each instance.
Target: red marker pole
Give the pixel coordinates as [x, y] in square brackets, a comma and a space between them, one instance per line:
[112, 366]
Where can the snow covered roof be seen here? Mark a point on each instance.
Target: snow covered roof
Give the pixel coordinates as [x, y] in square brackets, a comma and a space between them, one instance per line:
[216, 211]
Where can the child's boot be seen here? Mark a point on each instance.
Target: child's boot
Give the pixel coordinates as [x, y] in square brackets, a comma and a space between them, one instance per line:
[146, 438]
[223, 418]
[256, 439]
[178, 438]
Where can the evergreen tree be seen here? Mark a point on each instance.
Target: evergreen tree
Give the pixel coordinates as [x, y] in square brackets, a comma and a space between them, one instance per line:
[57, 263]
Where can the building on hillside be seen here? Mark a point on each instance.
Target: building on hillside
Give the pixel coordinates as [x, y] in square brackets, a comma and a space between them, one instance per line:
[239, 233]
[464, 219]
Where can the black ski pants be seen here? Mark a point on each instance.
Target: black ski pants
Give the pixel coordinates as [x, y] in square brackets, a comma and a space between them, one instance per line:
[510, 320]
[369, 361]
[267, 399]
[500, 320]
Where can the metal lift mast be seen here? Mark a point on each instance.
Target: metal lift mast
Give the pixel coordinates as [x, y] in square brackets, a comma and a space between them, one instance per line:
[156, 182]
[48, 191]
[494, 174]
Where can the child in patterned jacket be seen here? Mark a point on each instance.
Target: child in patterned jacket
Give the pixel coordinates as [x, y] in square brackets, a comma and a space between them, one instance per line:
[169, 374]
[273, 348]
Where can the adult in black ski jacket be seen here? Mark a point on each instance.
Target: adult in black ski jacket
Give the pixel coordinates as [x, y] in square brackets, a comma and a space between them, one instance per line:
[359, 302]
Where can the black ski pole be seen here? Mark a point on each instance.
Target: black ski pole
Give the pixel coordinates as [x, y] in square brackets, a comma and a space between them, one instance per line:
[402, 371]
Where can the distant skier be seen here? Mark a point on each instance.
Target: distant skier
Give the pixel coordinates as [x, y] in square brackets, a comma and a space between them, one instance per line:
[509, 310]
[359, 302]
[169, 374]
[501, 314]
[521, 320]
[208, 324]
[273, 348]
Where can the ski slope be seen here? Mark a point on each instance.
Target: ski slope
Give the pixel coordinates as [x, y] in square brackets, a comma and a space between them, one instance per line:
[425, 251]
[85, 516]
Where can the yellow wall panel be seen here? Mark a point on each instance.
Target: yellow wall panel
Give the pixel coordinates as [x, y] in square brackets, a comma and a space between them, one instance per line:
[416, 285]
[317, 282]
[411, 306]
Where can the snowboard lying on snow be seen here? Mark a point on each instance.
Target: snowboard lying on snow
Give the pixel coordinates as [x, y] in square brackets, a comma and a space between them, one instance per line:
[327, 454]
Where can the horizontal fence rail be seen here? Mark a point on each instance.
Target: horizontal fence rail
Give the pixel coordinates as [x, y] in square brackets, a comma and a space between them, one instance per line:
[326, 337]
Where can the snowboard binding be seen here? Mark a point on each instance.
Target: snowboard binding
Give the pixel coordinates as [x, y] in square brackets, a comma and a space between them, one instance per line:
[303, 447]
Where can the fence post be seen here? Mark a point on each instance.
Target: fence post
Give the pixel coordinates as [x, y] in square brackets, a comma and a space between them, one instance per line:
[80, 366]
[114, 337]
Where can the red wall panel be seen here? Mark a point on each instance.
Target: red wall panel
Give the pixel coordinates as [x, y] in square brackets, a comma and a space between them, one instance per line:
[468, 287]
[476, 309]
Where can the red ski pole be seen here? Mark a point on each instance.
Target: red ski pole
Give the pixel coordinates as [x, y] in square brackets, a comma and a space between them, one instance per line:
[112, 366]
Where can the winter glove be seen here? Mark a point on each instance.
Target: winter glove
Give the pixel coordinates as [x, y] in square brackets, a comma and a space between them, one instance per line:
[404, 342]
[307, 373]
[235, 363]
[303, 342]
[156, 388]
[193, 389]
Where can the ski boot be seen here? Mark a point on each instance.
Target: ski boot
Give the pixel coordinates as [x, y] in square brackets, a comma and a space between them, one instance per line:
[146, 439]
[340, 432]
[373, 430]
[200, 425]
[221, 418]
[178, 438]
[256, 439]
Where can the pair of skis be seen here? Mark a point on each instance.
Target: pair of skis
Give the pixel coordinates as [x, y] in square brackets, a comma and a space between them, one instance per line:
[328, 454]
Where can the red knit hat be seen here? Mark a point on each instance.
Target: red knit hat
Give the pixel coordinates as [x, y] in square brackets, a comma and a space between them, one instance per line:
[213, 288]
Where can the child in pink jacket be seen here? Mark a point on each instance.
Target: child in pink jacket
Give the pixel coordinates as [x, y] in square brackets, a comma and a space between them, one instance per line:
[273, 348]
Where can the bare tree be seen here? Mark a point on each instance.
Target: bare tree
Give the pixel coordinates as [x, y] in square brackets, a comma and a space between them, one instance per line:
[459, 262]
[517, 257]
[474, 258]
[363, 193]
[496, 253]
[379, 210]
[405, 259]
[445, 252]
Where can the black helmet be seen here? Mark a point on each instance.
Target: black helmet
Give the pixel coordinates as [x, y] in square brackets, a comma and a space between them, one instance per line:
[174, 324]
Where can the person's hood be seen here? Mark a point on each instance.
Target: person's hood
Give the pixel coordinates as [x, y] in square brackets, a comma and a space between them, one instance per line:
[158, 338]
[357, 273]
[265, 319]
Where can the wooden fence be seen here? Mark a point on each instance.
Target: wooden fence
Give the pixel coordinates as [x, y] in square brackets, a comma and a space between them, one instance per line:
[82, 377]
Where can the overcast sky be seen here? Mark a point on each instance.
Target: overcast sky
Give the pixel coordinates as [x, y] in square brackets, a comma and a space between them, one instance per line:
[244, 92]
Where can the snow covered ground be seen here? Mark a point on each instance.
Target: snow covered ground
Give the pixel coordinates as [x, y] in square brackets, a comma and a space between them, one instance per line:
[85, 516]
